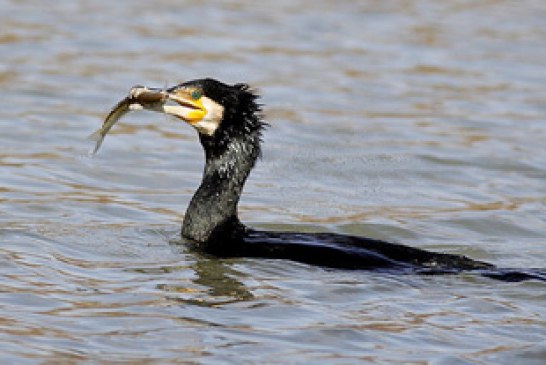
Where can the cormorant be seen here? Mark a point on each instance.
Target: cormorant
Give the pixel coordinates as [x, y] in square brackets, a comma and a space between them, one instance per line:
[230, 125]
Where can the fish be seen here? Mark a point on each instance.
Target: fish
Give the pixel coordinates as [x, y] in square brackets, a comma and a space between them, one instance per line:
[140, 97]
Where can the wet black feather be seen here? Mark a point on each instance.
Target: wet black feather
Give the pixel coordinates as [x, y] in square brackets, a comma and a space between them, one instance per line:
[211, 222]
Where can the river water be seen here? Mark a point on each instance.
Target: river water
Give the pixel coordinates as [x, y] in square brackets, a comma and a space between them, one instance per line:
[421, 122]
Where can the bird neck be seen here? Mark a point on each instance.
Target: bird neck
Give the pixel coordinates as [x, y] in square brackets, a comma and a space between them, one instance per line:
[212, 213]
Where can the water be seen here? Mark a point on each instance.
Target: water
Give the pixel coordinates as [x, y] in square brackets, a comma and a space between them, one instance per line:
[414, 121]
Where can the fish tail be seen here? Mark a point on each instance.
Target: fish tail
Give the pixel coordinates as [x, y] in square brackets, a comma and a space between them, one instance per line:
[97, 137]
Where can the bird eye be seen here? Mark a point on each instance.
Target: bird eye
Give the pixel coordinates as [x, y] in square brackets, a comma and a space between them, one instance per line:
[195, 94]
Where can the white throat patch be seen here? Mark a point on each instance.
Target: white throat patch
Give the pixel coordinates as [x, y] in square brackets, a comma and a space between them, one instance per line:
[211, 121]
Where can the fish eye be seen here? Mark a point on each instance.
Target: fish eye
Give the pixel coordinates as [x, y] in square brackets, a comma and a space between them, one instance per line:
[195, 94]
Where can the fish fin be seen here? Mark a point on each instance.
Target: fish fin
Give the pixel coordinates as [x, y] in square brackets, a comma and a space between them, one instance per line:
[97, 137]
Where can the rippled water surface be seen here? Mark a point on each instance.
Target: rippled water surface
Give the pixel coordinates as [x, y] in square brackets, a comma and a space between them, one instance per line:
[421, 122]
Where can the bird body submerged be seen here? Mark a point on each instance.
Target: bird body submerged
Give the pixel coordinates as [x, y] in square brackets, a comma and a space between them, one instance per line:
[230, 126]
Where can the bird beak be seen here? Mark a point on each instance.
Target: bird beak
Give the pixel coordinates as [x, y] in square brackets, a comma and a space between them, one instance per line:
[186, 107]
[176, 102]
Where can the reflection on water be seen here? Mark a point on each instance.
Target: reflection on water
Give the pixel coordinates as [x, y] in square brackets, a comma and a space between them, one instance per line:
[413, 121]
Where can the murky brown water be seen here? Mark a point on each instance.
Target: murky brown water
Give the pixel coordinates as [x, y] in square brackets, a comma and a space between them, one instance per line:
[415, 121]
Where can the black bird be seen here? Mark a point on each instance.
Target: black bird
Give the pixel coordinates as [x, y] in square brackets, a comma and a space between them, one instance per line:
[230, 125]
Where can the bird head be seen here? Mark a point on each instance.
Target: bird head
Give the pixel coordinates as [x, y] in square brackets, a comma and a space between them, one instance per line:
[208, 105]
[221, 113]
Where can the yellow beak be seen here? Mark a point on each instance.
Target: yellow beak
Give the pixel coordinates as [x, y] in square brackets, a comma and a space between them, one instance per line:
[187, 108]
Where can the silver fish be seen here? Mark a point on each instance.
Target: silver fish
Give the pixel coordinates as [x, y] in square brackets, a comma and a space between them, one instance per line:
[139, 98]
